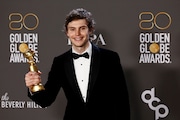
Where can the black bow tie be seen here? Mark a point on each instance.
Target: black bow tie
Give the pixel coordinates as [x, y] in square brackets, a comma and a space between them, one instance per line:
[76, 56]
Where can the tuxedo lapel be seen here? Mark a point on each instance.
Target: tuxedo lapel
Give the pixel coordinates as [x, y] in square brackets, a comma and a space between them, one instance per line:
[94, 69]
[70, 73]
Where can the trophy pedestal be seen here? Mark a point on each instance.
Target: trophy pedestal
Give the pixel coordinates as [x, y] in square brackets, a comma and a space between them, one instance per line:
[37, 88]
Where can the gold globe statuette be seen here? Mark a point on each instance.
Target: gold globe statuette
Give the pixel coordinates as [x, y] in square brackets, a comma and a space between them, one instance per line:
[29, 55]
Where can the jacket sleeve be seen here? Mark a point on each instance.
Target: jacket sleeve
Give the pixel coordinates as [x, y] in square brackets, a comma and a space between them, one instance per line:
[46, 97]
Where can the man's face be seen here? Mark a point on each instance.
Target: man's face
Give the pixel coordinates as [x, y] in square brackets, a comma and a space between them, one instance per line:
[78, 32]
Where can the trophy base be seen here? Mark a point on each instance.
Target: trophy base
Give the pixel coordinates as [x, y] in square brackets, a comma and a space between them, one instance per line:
[37, 88]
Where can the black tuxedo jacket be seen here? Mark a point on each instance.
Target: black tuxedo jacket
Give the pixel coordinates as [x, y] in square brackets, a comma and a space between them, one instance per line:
[107, 95]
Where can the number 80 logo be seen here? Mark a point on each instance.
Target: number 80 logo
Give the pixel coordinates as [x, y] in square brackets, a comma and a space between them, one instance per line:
[153, 20]
[20, 21]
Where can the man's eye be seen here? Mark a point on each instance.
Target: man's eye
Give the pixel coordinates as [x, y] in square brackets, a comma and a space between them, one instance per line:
[71, 29]
[83, 28]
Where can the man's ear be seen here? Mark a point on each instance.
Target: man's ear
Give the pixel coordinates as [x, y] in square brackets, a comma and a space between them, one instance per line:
[67, 34]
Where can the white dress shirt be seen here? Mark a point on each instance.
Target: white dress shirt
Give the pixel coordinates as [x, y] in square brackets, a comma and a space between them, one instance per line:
[82, 68]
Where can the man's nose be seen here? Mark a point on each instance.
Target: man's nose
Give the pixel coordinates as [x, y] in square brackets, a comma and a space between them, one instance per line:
[77, 32]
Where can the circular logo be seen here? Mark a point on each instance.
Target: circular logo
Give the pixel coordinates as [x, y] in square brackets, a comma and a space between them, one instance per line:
[154, 48]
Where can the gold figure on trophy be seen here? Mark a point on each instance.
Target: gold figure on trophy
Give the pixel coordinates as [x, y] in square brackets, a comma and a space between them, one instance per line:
[29, 54]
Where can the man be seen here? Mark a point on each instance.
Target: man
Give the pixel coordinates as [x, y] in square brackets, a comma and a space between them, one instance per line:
[94, 84]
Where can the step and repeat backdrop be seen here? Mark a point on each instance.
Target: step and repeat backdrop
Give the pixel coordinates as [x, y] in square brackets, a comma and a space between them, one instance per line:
[145, 33]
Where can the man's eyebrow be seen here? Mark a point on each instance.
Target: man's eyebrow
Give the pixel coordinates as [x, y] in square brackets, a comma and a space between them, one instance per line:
[79, 26]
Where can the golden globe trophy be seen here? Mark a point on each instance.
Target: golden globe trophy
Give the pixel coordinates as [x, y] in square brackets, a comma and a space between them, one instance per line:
[29, 55]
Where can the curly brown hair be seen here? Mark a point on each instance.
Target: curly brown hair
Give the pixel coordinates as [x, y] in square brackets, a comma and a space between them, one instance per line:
[80, 13]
